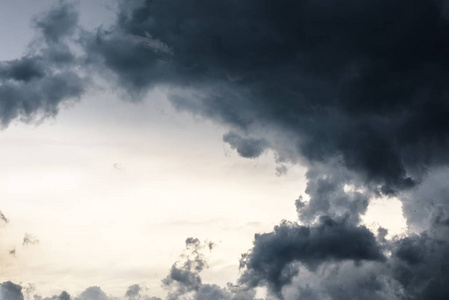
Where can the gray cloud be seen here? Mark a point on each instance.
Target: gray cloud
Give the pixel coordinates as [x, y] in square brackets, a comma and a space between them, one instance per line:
[3, 218]
[184, 281]
[270, 260]
[281, 170]
[10, 291]
[29, 239]
[58, 23]
[133, 292]
[428, 203]
[336, 260]
[246, 147]
[184, 275]
[33, 87]
[331, 260]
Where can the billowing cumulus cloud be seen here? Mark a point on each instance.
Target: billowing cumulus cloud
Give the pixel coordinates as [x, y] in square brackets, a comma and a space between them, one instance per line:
[268, 263]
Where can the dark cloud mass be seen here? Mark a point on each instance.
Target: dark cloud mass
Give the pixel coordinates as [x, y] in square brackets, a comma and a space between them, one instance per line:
[330, 240]
[361, 82]
[33, 86]
[29, 239]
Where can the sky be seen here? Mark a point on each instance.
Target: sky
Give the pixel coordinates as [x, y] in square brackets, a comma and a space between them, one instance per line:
[224, 150]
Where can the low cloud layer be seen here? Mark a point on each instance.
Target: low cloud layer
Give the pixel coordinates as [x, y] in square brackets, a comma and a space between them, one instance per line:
[182, 282]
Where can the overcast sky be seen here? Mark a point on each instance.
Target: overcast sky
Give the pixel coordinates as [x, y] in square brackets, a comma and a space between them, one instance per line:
[224, 150]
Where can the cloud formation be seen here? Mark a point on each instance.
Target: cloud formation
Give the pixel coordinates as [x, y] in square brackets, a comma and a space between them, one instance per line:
[34, 86]
[268, 262]
[356, 90]
[29, 239]
[182, 282]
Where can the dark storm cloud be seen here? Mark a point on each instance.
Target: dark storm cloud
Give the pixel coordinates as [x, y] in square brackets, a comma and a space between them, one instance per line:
[356, 90]
[270, 260]
[361, 81]
[33, 87]
[420, 265]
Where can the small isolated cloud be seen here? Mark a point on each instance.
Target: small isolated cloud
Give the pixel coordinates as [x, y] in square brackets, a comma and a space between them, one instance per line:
[3, 218]
[33, 87]
[30, 239]
[281, 170]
